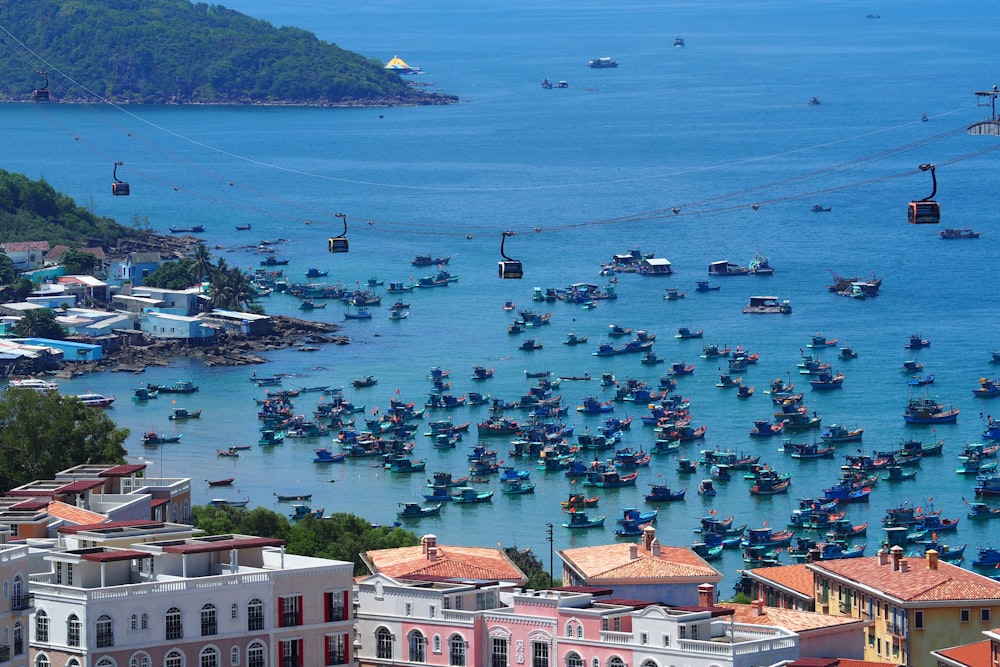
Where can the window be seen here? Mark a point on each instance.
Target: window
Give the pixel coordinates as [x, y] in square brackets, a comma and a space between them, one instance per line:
[291, 610]
[42, 661]
[574, 660]
[174, 627]
[18, 638]
[615, 661]
[418, 646]
[174, 659]
[437, 643]
[643, 638]
[41, 627]
[73, 630]
[59, 572]
[291, 653]
[432, 611]
[209, 625]
[255, 615]
[539, 654]
[456, 651]
[105, 632]
[383, 644]
[133, 622]
[255, 655]
[666, 640]
[144, 621]
[499, 652]
[6, 589]
[918, 620]
[234, 611]
[139, 660]
[234, 656]
[409, 609]
[335, 606]
[579, 631]
[648, 663]
[984, 615]
[682, 631]
[69, 574]
[963, 615]
[336, 649]
[209, 658]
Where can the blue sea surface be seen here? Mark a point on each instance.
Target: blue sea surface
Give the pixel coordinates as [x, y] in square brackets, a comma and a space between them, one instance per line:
[580, 174]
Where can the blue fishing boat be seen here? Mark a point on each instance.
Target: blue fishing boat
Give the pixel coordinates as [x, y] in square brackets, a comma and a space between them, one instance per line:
[705, 286]
[632, 514]
[324, 455]
[980, 510]
[836, 551]
[581, 520]
[917, 343]
[468, 495]
[687, 332]
[661, 493]
[514, 487]
[987, 388]
[440, 494]
[988, 557]
[412, 510]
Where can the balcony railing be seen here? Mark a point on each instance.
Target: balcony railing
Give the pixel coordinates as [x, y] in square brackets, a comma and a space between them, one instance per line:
[4, 653]
[105, 639]
[22, 602]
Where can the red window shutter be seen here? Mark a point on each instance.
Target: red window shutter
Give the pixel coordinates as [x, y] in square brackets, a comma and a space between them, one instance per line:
[327, 604]
[300, 642]
[347, 606]
[299, 609]
[347, 649]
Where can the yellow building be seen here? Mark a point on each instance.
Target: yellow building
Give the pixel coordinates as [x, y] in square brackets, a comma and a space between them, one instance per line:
[918, 604]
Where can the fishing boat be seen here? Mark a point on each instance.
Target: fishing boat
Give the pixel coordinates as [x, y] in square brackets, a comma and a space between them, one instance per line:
[194, 229]
[649, 358]
[412, 510]
[713, 351]
[705, 286]
[809, 450]
[530, 344]
[744, 391]
[292, 497]
[611, 479]
[359, 314]
[573, 339]
[987, 388]
[897, 473]
[180, 414]
[514, 487]
[728, 382]
[578, 500]
[847, 352]
[988, 557]
[980, 510]
[673, 293]
[928, 411]
[259, 380]
[324, 455]
[686, 466]
[144, 394]
[766, 537]
[309, 304]
[987, 485]
[301, 511]
[468, 495]
[686, 332]
[406, 465]
[952, 234]
[428, 260]
[768, 482]
[662, 493]
[223, 502]
[827, 380]
[760, 265]
[911, 366]
[602, 63]
[154, 438]
[581, 520]
[819, 340]
[706, 487]
[270, 438]
[839, 433]
[227, 481]
[836, 551]
[231, 453]
[273, 261]
[509, 306]
[917, 343]
[921, 380]
[366, 381]
[764, 429]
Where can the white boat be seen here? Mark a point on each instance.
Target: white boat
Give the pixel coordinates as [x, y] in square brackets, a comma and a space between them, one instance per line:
[35, 383]
[96, 400]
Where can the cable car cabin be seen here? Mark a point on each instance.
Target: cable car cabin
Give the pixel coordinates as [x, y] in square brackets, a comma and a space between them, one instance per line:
[923, 213]
[119, 189]
[41, 95]
[339, 244]
[511, 269]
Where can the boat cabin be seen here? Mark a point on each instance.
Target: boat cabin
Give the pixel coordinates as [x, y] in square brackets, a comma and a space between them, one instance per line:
[768, 304]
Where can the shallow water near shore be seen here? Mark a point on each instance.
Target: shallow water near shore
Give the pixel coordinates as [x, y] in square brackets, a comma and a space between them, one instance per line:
[669, 127]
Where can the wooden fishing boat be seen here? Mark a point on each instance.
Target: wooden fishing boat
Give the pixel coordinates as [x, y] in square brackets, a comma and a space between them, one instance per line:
[292, 497]
[579, 500]
[224, 502]
[686, 332]
[581, 520]
[227, 452]
[324, 455]
[416, 511]
[152, 438]
[839, 433]
[468, 495]
[180, 414]
[228, 481]
[661, 493]
[514, 487]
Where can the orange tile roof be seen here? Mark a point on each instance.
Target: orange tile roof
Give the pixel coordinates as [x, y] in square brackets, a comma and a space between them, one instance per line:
[73, 514]
[452, 563]
[977, 654]
[849, 662]
[796, 621]
[608, 563]
[918, 584]
[796, 577]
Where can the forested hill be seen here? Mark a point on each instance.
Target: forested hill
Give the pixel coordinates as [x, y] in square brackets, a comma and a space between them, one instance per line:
[173, 51]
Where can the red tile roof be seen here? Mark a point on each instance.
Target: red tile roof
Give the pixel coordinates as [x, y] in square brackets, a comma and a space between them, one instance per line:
[796, 577]
[452, 562]
[977, 654]
[74, 514]
[611, 563]
[794, 620]
[918, 584]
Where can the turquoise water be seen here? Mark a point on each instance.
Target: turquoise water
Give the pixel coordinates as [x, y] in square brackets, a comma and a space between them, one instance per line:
[596, 169]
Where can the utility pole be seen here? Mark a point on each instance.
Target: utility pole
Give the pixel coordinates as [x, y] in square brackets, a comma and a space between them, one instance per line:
[550, 539]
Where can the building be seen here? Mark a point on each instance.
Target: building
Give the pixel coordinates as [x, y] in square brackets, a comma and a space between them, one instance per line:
[655, 266]
[224, 599]
[15, 604]
[820, 635]
[784, 587]
[646, 571]
[446, 562]
[459, 623]
[918, 605]
[26, 254]
[985, 653]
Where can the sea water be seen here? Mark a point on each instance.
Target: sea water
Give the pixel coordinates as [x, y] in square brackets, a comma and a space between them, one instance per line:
[580, 174]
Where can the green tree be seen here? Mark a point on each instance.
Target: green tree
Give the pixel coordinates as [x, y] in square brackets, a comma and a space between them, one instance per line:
[201, 267]
[170, 275]
[38, 323]
[78, 263]
[532, 566]
[8, 274]
[44, 433]
[230, 289]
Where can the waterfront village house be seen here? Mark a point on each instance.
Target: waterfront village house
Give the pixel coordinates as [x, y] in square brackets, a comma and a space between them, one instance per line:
[190, 601]
[918, 605]
[646, 571]
[54, 257]
[88, 287]
[985, 653]
[820, 635]
[784, 587]
[460, 623]
[134, 267]
[188, 302]
[655, 266]
[235, 322]
[26, 254]
[431, 559]
[179, 327]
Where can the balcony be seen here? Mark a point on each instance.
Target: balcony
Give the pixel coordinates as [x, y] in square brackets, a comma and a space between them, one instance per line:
[105, 639]
[22, 602]
[4, 653]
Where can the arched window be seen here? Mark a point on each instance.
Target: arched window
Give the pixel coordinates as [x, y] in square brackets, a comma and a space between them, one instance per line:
[6, 589]
[73, 662]
[234, 612]
[105, 632]
[42, 627]
[574, 660]
[6, 636]
[615, 661]
[144, 621]
[418, 646]
[437, 643]
[174, 626]
[234, 654]
[42, 661]
[209, 658]
[569, 631]
[383, 644]
[133, 661]
[456, 651]
[18, 638]
[209, 624]
[174, 659]
[139, 660]
[255, 655]
[255, 615]
[105, 662]
[649, 663]
[73, 629]
[18, 591]
[133, 622]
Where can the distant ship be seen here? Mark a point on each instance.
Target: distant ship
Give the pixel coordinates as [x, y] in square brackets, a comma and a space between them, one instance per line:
[678, 41]
[399, 66]
[602, 63]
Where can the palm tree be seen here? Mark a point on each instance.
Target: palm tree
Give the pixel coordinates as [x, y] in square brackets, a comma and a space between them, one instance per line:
[201, 266]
